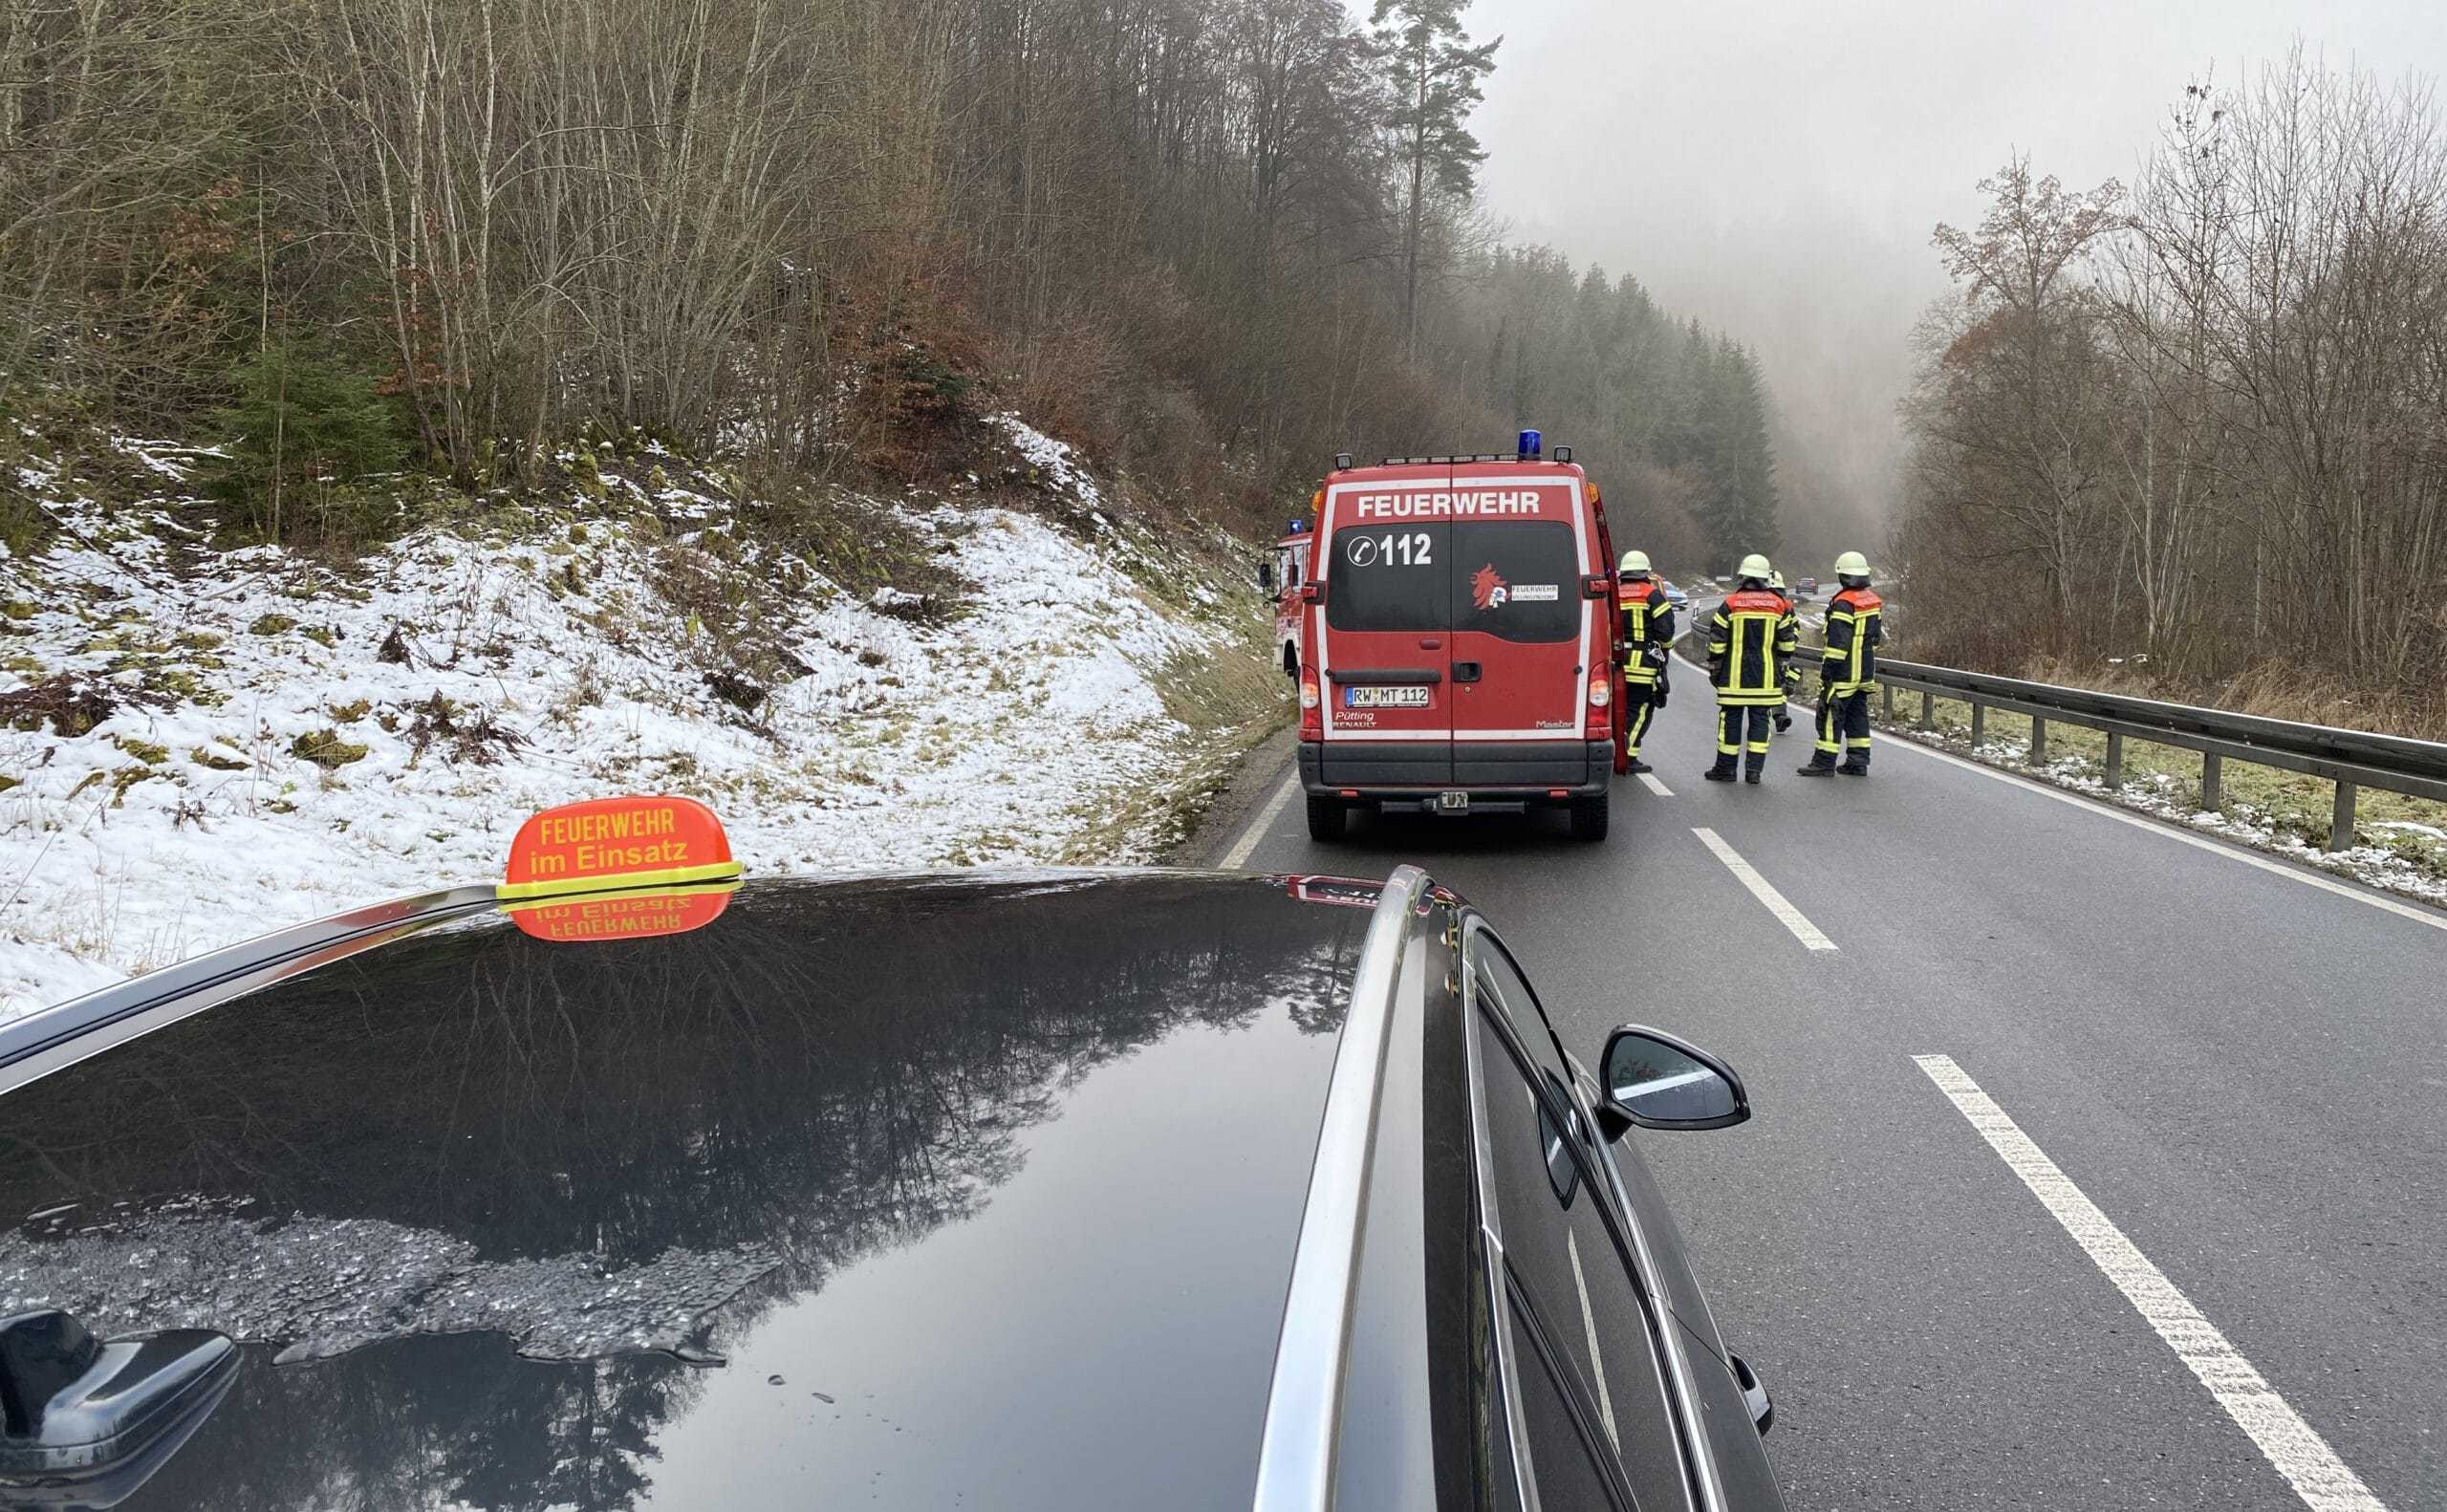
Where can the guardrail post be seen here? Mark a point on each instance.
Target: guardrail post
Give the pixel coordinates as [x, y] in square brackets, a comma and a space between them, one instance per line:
[1979, 721]
[2037, 742]
[1928, 709]
[2341, 822]
[2115, 760]
[2212, 771]
[1886, 698]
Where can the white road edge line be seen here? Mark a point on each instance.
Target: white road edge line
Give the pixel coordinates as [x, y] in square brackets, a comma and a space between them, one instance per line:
[1648, 780]
[1764, 890]
[2232, 853]
[2323, 1480]
[1258, 826]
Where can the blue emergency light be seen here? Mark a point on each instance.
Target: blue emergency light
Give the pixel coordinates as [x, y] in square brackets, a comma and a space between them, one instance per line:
[1298, 527]
[1530, 440]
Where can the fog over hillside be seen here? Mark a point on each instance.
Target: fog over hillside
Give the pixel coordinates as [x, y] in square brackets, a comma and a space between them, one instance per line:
[1775, 166]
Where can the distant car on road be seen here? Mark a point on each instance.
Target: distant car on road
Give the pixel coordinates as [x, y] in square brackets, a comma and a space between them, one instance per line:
[1674, 596]
[1808, 586]
[1050, 1190]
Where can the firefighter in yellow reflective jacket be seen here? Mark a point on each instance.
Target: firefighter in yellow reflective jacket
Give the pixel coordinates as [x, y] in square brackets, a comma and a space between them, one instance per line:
[1648, 636]
[1750, 639]
[1846, 671]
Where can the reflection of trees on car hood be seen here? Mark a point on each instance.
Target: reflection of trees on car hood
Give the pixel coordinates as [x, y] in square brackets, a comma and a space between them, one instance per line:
[588, 1146]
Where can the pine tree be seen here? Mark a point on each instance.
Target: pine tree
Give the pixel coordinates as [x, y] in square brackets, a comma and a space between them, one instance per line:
[1431, 77]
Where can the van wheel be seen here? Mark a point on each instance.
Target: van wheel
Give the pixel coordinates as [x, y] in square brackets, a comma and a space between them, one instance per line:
[1327, 817]
[1589, 818]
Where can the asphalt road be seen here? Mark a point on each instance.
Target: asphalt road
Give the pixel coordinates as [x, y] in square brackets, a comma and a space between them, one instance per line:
[2243, 1068]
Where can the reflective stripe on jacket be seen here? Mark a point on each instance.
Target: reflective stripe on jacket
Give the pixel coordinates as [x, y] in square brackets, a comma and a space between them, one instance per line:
[1854, 627]
[1647, 623]
[1750, 637]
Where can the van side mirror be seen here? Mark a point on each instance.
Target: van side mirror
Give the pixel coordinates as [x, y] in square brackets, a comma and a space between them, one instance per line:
[1657, 1081]
[1597, 585]
[1265, 576]
[1312, 592]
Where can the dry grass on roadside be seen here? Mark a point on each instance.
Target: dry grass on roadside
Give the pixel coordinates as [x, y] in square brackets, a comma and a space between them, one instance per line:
[1229, 698]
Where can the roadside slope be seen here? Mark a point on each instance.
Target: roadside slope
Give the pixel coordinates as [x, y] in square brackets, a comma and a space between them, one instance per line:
[203, 743]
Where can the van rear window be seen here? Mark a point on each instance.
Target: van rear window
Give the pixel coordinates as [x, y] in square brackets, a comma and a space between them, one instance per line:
[1394, 578]
[1518, 581]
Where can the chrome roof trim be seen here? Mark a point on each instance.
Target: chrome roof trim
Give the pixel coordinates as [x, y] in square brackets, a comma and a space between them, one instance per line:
[54, 1038]
[1304, 1403]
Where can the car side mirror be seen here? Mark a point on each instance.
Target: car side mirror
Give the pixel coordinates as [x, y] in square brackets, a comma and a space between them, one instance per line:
[1265, 576]
[1657, 1081]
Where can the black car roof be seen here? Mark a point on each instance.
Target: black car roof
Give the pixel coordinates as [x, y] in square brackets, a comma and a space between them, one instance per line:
[987, 1191]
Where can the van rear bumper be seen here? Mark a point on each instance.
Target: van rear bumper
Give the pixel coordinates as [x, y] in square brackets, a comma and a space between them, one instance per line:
[1498, 771]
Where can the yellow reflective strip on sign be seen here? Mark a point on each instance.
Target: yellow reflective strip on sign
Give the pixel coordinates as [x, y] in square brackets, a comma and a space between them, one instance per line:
[610, 881]
[564, 899]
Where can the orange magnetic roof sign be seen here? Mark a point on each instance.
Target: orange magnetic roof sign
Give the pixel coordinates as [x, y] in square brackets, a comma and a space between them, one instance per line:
[619, 869]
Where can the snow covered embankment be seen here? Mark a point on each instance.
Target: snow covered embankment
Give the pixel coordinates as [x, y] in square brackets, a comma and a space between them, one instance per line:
[210, 744]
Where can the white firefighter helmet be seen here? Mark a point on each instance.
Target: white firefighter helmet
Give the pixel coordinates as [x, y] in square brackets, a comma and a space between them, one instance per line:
[1754, 566]
[1636, 563]
[1851, 563]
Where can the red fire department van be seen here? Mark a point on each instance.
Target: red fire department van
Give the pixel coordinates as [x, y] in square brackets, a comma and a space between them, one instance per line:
[1456, 641]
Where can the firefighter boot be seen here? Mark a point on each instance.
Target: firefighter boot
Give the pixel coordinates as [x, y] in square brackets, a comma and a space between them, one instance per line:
[1722, 772]
[1817, 767]
[1856, 767]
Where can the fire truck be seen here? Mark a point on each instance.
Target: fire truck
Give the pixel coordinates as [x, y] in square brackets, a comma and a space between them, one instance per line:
[1284, 576]
[1456, 639]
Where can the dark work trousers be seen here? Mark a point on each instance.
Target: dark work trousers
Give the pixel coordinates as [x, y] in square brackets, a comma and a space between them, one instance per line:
[1732, 722]
[1640, 706]
[1843, 727]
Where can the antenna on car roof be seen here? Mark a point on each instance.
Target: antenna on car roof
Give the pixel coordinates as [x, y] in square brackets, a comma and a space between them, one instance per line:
[99, 1417]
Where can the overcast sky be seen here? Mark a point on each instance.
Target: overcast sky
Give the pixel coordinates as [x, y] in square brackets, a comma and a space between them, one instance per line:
[1776, 165]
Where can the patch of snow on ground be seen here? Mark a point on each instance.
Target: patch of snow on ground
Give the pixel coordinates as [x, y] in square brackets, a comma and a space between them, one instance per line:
[1053, 459]
[196, 818]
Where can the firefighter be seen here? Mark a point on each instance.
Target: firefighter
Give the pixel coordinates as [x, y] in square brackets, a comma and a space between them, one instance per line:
[1648, 635]
[1792, 669]
[1750, 639]
[1847, 672]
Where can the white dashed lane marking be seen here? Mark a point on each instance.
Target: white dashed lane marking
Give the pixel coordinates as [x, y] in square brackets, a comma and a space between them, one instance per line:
[1764, 890]
[2323, 1480]
[1648, 780]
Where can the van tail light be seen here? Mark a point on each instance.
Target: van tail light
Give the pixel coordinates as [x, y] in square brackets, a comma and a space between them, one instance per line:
[1601, 691]
[1312, 717]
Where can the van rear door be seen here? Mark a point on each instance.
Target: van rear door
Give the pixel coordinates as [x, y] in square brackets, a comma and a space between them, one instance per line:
[1384, 638]
[1521, 631]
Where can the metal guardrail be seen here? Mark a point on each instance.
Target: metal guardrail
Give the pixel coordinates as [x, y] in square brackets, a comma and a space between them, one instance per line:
[2351, 759]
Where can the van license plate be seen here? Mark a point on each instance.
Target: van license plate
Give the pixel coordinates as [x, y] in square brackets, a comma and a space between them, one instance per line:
[1453, 802]
[1407, 698]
